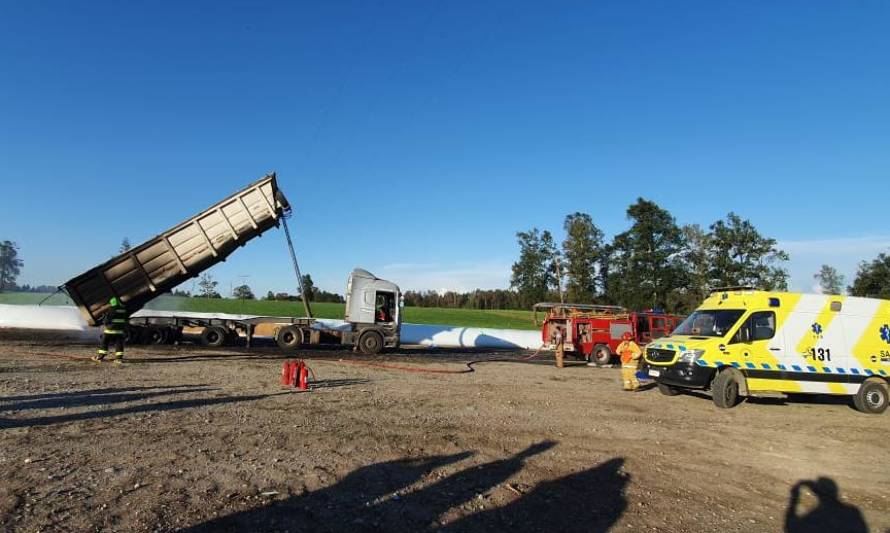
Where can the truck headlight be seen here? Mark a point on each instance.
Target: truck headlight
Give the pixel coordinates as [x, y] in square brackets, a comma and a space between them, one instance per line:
[690, 356]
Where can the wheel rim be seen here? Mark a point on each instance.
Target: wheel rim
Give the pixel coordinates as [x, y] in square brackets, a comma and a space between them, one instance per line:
[874, 398]
[601, 356]
[371, 343]
[288, 337]
[213, 337]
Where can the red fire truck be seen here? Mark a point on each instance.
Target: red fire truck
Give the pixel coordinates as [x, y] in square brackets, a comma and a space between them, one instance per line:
[593, 332]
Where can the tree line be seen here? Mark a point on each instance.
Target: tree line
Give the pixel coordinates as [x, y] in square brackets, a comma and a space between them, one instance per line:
[207, 288]
[655, 263]
[658, 264]
[477, 299]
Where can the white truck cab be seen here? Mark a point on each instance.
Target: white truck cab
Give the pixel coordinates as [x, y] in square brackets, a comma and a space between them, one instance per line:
[374, 312]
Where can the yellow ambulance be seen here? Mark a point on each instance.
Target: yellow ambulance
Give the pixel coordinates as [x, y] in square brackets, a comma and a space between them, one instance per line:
[746, 342]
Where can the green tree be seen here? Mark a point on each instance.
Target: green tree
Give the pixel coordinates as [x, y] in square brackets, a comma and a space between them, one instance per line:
[10, 265]
[534, 272]
[646, 266]
[830, 280]
[309, 287]
[604, 270]
[243, 292]
[873, 278]
[208, 285]
[125, 246]
[581, 248]
[696, 268]
[740, 256]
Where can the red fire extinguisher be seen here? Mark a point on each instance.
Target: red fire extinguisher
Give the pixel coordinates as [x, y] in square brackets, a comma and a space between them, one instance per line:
[295, 374]
[303, 377]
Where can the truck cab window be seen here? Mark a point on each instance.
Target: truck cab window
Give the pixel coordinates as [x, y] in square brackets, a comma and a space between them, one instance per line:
[384, 309]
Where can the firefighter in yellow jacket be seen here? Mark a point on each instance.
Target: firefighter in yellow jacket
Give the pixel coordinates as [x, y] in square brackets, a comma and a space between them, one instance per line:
[114, 328]
[630, 354]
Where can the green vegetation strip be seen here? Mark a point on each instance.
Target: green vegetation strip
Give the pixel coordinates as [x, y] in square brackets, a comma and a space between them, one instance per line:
[415, 315]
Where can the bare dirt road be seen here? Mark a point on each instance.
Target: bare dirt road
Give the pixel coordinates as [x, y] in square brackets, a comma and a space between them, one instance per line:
[182, 438]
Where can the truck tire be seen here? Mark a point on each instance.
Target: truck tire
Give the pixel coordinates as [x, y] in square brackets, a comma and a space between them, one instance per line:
[667, 390]
[289, 337]
[871, 397]
[133, 335]
[725, 390]
[214, 336]
[601, 355]
[370, 343]
[156, 336]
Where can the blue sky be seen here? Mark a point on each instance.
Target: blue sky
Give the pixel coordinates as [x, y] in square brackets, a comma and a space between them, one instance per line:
[415, 138]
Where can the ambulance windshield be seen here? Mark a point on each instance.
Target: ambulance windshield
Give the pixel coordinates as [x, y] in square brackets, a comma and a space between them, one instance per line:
[709, 323]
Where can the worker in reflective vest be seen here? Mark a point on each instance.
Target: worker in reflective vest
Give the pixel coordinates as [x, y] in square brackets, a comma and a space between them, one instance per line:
[114, 327]
[630, 353]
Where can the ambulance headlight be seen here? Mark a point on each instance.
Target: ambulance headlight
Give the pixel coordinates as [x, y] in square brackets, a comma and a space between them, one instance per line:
[691, 356]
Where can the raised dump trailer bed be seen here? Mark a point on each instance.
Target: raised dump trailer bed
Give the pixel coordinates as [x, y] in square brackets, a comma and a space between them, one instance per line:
[158, 265]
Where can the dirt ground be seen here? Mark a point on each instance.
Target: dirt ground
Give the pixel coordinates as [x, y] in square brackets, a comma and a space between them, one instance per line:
[186, 438]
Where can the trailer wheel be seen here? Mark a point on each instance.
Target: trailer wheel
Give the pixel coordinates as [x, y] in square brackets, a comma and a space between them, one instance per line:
[156, 336]
[871, 397]
[725, 390]
[601, 354]
[370, 343]
[289, 337]
[133, 335]
[214, 336]
[667, 390]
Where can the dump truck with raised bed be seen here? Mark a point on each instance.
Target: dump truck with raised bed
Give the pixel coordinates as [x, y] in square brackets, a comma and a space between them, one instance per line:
[137, 276]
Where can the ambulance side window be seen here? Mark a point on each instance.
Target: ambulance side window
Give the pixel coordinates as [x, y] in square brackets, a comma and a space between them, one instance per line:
[760, 326]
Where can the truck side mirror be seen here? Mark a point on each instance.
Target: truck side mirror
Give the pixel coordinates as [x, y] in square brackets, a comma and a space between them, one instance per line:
[401, 302]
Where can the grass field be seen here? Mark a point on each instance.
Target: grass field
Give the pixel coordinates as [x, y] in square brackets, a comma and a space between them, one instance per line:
[414, 315]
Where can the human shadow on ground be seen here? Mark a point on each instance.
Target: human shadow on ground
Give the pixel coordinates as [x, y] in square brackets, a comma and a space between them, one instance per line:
[174, 405]
[830, 514]
[380, 497]
[97, 397]
[90, 392]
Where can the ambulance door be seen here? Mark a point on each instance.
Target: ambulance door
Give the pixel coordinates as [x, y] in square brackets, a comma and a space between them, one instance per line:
[756, 348]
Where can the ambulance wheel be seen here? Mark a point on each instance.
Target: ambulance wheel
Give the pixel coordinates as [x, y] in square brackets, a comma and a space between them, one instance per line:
[370, 343]
[872, 397]
[289, 337]
[667, 390]
[725, 390]
[214, 336]
[601, 354]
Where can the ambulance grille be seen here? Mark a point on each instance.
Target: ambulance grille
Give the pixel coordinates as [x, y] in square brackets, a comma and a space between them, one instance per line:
[657, 355]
